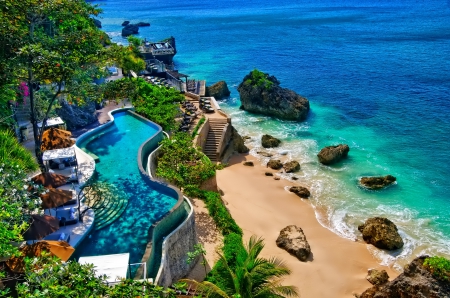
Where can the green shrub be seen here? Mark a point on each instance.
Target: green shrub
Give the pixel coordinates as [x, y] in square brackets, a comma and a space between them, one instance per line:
[439, 267]
[182, 164]
[197, 127]
[259, 79]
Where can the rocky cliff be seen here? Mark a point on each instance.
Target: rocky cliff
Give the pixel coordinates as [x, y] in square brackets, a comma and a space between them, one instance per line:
[261, 93]
[415, 282]
[218, 90]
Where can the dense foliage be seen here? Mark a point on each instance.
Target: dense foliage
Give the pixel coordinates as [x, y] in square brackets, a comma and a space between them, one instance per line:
[259, 79]
[48, 277]
[159, 104]
[252, 276]
[53, 46]
[11, 151]
[182, 164]
[16, 205]
[439, 267]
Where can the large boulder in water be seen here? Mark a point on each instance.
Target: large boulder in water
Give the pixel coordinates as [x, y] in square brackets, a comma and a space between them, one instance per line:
[382, 233]
[77, 116]
[261, 93]
[293, 240]
[377, 182]
[333, 154]
[416, 281]
[267, 141]
[218, 90]
[129, 30]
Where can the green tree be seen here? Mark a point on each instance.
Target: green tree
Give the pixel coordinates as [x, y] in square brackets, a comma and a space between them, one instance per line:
[53, 43]
[252, 276]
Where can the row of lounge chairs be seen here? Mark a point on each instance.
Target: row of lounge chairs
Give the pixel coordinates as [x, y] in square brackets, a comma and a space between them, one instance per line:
[205, 105]
[188, 116]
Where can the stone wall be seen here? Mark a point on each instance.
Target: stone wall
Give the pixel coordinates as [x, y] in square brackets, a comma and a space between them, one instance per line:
[174, 251]
[174, 235]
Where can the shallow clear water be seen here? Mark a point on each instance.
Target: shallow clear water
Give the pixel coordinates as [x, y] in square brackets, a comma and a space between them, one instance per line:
[377, 75]
[117, 148]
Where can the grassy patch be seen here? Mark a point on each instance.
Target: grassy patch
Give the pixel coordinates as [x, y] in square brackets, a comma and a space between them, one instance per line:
[439, 267]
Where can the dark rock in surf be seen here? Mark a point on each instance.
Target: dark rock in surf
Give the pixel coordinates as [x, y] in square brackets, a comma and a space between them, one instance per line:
[377, 182]
[333, 154]
[300, 191]
[275, 164]
[291, 166]
[267, 141]
[382, 233]
[125, 23]
[218, 90]
[143, 24]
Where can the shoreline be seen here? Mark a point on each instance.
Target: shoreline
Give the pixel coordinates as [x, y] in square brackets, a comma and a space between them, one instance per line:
[261, 206]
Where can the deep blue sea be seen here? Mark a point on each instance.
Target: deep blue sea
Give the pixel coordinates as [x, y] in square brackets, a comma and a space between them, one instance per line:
[377, 74]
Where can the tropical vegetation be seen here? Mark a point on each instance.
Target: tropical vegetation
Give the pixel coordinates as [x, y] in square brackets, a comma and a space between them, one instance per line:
[53, 46]
[439, 267]
[259, 79]
[159, 104]
[250, 276]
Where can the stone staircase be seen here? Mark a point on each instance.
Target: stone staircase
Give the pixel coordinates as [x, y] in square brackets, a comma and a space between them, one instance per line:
[107, 208]
[109, 213]
[23, 118]
[214, 136]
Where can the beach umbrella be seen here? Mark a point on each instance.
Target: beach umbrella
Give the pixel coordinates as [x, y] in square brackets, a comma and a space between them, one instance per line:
[54, 138]
[50, 180]
[60, 249]
[55, 197]
[41, 226]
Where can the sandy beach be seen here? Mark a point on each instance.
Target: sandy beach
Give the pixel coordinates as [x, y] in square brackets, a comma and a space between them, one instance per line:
[261, 206]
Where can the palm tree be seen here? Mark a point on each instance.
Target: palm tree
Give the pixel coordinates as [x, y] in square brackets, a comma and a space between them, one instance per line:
[252, 277]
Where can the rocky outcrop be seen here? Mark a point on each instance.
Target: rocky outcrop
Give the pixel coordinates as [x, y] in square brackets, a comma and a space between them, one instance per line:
[261, 93]
[377, 277]
[267, 141]
[248, 163]
[415, 282]
[377, 182]
[293, 240]
[143, 24]
[268, 174]
[77, 116]
[275, 164]
[97, 23]
[125, 23]
[291, 166]
[382, 233]
[300, 191]
[129, 30]
[218, 90]
[238, 142]
[333, 154]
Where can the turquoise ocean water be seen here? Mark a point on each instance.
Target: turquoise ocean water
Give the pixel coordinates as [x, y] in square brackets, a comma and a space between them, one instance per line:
[377, 74]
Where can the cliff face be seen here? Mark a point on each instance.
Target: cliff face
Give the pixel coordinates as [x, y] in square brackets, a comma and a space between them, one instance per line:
[261, 93]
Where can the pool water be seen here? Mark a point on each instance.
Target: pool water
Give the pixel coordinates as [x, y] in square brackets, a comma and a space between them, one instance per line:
[117, 148]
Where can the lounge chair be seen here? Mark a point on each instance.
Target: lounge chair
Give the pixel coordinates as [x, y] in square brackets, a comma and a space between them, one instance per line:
[58, 237]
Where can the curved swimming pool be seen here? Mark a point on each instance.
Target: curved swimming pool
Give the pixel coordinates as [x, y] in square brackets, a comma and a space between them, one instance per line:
[117, 147]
